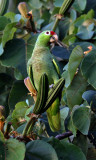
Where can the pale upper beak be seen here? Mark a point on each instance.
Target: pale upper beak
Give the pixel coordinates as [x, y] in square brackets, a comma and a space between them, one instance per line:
[54, 38]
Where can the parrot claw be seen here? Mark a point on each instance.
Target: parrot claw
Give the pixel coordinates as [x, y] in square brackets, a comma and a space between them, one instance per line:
[29, 86]
[32, 94]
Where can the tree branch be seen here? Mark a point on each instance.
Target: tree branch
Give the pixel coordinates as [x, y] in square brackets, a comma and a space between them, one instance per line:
[64, 7]
[64, 135]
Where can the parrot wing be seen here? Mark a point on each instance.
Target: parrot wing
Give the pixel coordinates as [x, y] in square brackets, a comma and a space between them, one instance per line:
[56, 67]
[31, 76]
[29, 83]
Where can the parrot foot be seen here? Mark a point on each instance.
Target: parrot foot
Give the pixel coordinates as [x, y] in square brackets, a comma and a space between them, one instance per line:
[51, 86]
[29, 86]
[32, 94]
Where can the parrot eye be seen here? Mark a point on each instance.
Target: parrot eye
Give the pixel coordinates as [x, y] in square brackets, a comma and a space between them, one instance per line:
[47, 33]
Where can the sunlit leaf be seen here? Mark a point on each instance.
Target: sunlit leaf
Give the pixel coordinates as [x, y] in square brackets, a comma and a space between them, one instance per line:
[20, 110]
[8, 33]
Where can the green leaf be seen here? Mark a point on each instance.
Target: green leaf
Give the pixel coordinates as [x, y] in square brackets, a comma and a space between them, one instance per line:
[74, 61]
[73, 15]
[39, 22]
[46, 16]
[81, 141]
[10, 15]
[72, 40]
[18, 93]
[85, 33]
[55, 11]
[2, 137]
[18, 75]
[20, 110]
[48, 26]
[8, 32]
[21, 128]
[79, 21]
[63, 98]
[72, 127]
[91, 5]
[66, 151]
[63, 115]
[88, 68]
[39, 149]
[66, 39]
[14, 56]
[13, 17]
[79, 5]
[90, 14]
[83, 18]
[35, 4]
[29, 111]
[30, 45]
[90, 97]
[65, 75]
[12, 149]
[84, 45]
[3, 22]
[81, 118]
[75, 90]
[58, 3]
[64, 27]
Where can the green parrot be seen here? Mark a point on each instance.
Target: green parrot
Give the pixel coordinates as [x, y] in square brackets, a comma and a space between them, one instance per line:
[41, 62]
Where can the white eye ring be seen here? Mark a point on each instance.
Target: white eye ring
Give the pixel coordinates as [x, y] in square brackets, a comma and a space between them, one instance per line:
[47, 33]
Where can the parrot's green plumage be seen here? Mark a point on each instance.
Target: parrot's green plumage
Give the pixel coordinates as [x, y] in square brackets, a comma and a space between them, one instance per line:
[41, 62]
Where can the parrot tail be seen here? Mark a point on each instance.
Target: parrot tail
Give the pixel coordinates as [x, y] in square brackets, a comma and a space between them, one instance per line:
[53, 115]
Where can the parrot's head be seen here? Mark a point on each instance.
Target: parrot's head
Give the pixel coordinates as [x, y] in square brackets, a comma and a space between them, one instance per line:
[47, 37]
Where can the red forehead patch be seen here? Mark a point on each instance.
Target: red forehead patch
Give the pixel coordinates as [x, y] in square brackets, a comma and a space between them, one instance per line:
[52, 33]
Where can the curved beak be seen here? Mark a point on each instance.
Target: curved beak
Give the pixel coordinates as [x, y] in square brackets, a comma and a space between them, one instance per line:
[54, 38]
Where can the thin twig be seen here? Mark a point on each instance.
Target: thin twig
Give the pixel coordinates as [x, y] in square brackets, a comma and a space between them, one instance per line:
[29, 124]
[62, 10]
[64, 135]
